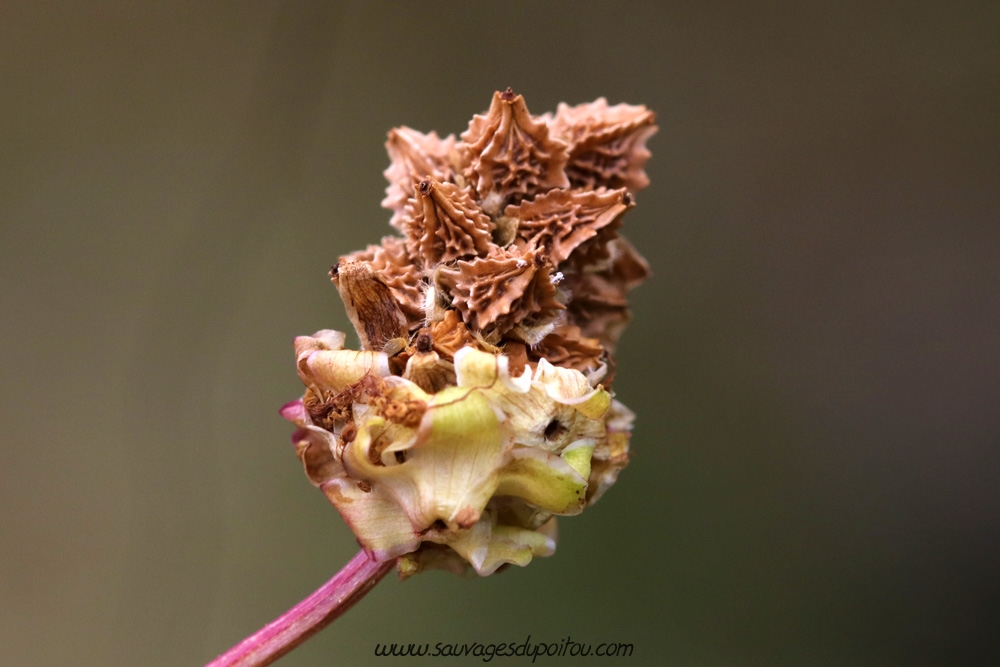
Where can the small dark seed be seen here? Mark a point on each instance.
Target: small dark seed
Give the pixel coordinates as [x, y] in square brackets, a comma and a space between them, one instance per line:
[554, 429]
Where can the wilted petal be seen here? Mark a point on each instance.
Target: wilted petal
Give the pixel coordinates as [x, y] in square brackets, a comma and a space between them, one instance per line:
[370, 304]
[373, 516]
[325, 339]
[314, 447]
[334, 370]
[571, 387]
[430, 372]
[449, 472]
[475, 368]
[488, 545]
[611, 454]
[548, 481]
[431, 556]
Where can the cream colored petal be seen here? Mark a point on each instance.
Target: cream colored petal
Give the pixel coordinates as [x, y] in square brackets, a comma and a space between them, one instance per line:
[324, 339]
[532, 416]
[488, 546]
[546, 480]
[518, 385]
[431, 556]
[403, 389]
[315, 448]
[534, 419]
[374, 517]
[475, 368]
[335, 370]
[571, 387]
[449, 471]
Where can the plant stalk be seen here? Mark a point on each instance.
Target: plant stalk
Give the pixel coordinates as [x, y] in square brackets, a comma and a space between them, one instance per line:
[308, 617]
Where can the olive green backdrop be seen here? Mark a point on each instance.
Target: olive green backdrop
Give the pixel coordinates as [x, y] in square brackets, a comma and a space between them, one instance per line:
[815, 363]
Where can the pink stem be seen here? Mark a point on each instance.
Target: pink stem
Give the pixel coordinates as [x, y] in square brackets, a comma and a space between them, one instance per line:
[307, 617]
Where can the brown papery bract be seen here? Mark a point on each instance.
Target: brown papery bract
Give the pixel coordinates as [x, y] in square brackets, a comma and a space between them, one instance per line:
[502, 289]
[415, 156]
[560, 220]
[510, 155]
[607, 144]
[567, 347]
[392, 263]
[443, 223]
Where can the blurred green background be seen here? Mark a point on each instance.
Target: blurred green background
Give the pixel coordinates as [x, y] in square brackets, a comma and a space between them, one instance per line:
[815, 363]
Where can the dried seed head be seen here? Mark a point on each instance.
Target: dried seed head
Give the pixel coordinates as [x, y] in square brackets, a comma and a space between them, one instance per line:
[479, 407]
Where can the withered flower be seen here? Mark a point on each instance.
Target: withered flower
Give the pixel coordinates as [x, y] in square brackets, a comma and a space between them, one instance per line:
[479, 407]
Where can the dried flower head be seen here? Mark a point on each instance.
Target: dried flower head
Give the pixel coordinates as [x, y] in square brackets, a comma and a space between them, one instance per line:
[479, 407]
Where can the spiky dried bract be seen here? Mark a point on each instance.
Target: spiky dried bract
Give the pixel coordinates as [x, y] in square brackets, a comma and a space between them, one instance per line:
[567, 347]
[415, 156]
[444, 223]
[510, 154]
[501, 290]
[599, 301]
[560, 220]
[607, 144]
[480, 407]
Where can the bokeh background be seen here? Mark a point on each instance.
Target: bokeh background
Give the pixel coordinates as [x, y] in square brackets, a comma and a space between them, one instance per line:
[815, 363]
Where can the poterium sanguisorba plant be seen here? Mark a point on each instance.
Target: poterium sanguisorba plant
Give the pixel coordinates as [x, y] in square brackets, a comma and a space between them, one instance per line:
[479, 406]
